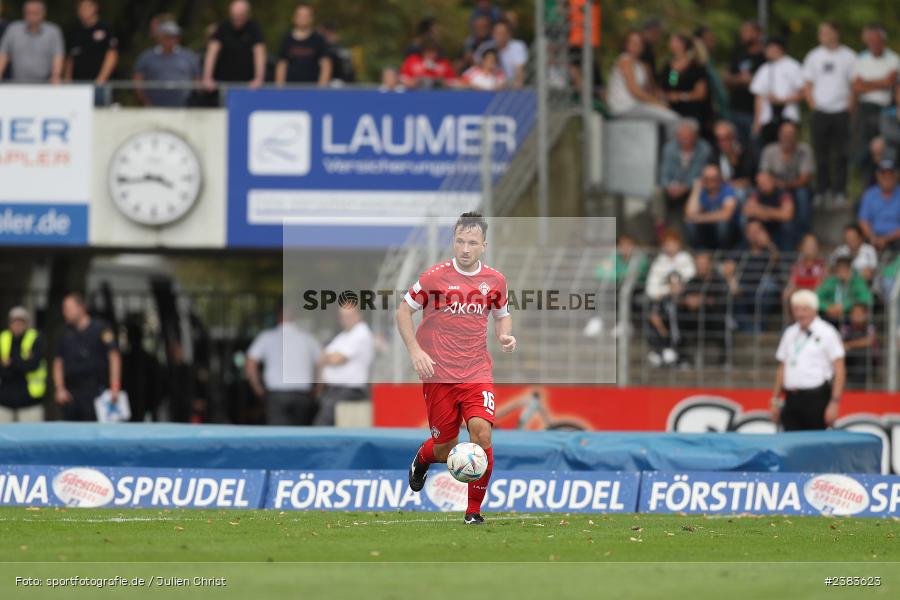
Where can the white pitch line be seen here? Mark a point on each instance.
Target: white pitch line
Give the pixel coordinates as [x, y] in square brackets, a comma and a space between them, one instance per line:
[295, 519]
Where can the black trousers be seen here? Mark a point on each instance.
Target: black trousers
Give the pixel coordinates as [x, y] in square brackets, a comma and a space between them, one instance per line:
[331, 395]
[81, 408]
[831, 145]
[290, 407]
[805, 409]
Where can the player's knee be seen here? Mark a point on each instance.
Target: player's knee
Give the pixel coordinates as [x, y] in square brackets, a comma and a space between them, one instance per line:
[480, 432]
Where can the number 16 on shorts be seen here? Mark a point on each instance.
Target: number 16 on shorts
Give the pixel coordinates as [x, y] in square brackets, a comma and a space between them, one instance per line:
[488, 401]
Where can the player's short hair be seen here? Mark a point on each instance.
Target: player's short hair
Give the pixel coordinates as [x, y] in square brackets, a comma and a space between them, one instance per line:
[472, 219]
[805, 298]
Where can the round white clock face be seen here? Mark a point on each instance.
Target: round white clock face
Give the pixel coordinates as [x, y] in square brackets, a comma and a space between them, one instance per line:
[155, 177]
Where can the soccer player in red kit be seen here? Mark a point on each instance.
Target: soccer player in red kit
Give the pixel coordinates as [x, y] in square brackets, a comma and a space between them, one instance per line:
[449, 351]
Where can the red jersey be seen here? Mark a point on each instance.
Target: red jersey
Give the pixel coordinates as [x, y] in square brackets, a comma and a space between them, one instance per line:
[417, 67]
[808, 276]
[453, 331]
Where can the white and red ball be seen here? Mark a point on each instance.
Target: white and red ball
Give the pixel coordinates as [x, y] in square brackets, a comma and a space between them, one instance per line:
[467, 462]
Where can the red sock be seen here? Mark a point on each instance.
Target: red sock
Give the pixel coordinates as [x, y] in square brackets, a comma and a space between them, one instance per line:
[477, 489]
[426, 452]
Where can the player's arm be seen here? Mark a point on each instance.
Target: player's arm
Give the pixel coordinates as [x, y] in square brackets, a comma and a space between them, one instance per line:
[422, 363]
[503, 328]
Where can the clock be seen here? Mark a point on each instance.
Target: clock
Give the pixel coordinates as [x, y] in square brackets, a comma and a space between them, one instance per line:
[155, 177]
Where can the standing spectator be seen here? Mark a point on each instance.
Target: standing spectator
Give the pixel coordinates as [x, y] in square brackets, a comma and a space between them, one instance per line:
[777, 87]
[346, 363]
[710, 211]
[773, 206]
[23, 372]
[513, 53]
[860, 345]
[863, 256]
[33, 47]
[93, 51]
[684, 83]
[486, 75]
[875, 75]
[682, 162]
[736, 161]
[87, 359]
[630, 94]
[828, 71]
[704, 303]
[576, 24]
[792, 164]
[342, 69]
[665, 330]
[427, 70]
[808, 272]
[841, 290]
[704, 46]
[288, 355]
[303, 57]
[237, 51]
[672, 258]
[168, 61]
[485, 8]
[879, 209]
[812, 373]
[482, 27]
[651, 33]
[748, 58]
[428, 29]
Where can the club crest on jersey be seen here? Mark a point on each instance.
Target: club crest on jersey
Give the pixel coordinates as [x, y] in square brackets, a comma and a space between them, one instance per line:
[484, 288]
[435, 432]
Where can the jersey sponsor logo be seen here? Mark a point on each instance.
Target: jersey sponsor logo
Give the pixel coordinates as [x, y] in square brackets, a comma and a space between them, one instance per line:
[452, 287]
[464, 308]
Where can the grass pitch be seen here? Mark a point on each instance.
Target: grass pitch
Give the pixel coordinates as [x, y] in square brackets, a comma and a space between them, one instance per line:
[401, 555]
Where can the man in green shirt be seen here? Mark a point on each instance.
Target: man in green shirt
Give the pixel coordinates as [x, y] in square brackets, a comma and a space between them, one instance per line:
[840, 291]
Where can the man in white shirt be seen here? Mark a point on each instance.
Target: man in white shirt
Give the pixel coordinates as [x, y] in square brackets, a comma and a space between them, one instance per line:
[513, 53]
[288, 356]
[346, 363]
[777, 88]
[828, 72]
[811, 373]
[874, 77]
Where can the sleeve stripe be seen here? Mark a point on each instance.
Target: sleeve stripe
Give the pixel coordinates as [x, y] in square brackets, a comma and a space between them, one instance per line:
[417, 287]
[501, 312]
[409, 300]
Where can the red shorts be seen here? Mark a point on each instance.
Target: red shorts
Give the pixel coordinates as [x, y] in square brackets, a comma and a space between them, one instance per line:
[448, 404]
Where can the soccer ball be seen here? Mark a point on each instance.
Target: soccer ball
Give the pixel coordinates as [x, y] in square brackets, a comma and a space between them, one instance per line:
[467, 462]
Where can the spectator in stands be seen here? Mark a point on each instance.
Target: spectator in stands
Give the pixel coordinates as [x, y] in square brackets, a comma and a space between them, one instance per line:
[390, 81]
[736, 161]
[757, 279]
[237, 50]
[346, 363]
[863, 256]
[879, 209]
[33, 47]
[651, 33]
[878, 151]
[169, 62]
[874, 78]
[342, 68]
[23, 373]
[828, 71]
[427, 70]
[486, 75]
[576, 23]
[665, 330]
[672, 258]
[808, 272]
[3, 25]
[841, 290]
[860, 345]
[613, 269]
[748, 58]
[482, 27]
[711, 211]
[792, 164]
[778, 88]
[428, 29]
[303, 57]
[513, 53]
[890, 131]
[774, 208]
[288, 355]
[87, 359]
[485, 8]
[93, 50]
[704, 46]
[682, 162]
[703, 304]
[630, 94]
[684, 83]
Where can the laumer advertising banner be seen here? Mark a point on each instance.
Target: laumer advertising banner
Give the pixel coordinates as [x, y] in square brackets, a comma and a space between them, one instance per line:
[331, 160]
[770, 494]
[45, 164]
[114, 487]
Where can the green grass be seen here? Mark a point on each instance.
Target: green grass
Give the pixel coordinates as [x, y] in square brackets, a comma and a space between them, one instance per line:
[353, 555]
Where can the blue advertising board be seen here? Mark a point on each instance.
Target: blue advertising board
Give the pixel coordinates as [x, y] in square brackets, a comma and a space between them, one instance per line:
[345, 158]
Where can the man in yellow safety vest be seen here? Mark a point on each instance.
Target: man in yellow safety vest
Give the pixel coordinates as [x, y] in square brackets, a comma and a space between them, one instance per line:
[23, 371]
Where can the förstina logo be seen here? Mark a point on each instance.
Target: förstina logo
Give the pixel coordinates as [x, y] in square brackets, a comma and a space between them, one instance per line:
[279, 142]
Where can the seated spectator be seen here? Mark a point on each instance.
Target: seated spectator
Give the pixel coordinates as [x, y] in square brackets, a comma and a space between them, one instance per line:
[807, 272]
[513, 54]
[672, 258]
[758, 281]
[342, 68]
[778, 88]
[840, 291]
[630, 94]
[237, 50]
[390, 81]
[863, 256]
[792, 164]
[33, 47]
[303, 56]
[879, 209]
[684, 82]
[878, 151]
[613, 269]
[703, 304]
[486, 75]
[482, 27]
[736, 163]
[710, 212]
[168, 61]
[860, 345]
[665, 331]
[682, 162]
[427, 70]
[774, 208]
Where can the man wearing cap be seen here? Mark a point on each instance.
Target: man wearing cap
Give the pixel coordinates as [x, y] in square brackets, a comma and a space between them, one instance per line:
[23, 372]
[167, 62]
[811, 373]
[879, 209]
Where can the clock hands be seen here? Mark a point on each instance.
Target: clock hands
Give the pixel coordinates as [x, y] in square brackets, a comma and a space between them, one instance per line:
[148, 177]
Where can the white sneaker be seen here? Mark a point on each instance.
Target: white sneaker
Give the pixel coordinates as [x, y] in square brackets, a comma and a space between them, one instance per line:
[669, 357]
[593, 328]
[654, 359]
